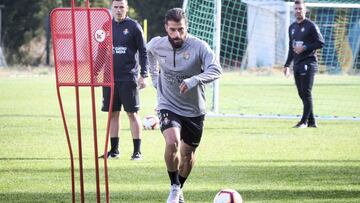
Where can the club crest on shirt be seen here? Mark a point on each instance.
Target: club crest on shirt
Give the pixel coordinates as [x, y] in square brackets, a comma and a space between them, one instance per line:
[302, 29]
[186, 55]
[126, 31]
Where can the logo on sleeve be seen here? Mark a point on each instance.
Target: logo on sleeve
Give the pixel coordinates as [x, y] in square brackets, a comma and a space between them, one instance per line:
[292, 31]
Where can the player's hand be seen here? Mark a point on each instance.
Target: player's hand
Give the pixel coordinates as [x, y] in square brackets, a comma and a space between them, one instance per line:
[183, 88]
[287, 71]
[142, 82]
[299, 49]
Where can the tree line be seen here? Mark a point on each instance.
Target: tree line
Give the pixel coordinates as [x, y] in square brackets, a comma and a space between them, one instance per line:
[25, 24]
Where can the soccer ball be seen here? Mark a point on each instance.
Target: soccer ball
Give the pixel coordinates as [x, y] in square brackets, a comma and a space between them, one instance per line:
[150, 122]
[228, 196]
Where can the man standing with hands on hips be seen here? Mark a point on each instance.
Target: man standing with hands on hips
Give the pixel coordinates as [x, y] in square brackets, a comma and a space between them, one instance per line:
[304, 39]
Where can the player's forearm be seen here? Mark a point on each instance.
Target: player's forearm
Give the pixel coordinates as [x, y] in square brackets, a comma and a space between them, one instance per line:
[290, 51]
[212, 73]
[153, 68]
[154, 76]
[318, 40]
[143, 64]
[313, 46]
[289, 58]
[211, 66]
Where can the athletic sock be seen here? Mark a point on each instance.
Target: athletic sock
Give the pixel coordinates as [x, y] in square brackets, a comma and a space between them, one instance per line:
[137, 145]
[114, 144]
[182, 181]
[174, 177]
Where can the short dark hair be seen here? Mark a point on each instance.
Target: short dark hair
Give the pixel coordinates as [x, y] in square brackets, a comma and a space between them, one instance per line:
[175, 14]
[299, 2]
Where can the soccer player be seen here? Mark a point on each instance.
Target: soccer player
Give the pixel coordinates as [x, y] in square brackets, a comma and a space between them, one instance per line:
[127, 41]
[304, 39]
[185, 64]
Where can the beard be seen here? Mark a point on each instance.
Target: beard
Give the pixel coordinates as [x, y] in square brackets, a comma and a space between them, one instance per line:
[299, 17]
[176, 44]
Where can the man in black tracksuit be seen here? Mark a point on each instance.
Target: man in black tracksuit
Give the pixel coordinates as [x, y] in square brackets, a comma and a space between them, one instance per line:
[304, 39]
[127, 41]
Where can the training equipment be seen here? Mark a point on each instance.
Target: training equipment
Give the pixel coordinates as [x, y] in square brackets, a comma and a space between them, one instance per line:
[228, 196]
[82, 42]
[150, 122]
[254, 37]
[254, 32]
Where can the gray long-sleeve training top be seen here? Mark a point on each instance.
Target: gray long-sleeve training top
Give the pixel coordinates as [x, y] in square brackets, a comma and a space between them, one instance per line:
[194, 63]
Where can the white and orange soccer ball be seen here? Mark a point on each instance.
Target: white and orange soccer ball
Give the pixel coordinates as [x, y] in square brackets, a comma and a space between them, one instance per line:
[228, 196]
[150, 122]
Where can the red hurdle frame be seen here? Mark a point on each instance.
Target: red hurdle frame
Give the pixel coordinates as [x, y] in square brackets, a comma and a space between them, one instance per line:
[82, 43]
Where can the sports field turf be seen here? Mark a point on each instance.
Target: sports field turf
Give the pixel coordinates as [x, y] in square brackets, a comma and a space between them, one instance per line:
[265, 160]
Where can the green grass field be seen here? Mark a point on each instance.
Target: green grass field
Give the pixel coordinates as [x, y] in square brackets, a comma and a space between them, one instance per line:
[265, 160]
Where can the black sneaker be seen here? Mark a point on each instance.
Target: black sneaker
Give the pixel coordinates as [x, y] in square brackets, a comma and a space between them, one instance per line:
[136, 156]
[111, 155]
[312, 125]
[301, 125]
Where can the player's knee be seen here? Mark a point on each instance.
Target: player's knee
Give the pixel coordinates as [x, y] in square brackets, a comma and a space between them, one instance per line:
[187, 157]
[302, 94]
[187, 152]
[173, 144]
[132, 115]
[307, 94]
[115, 115]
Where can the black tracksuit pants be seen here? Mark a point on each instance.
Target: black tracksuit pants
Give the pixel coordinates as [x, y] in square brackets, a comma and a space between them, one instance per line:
[304, 80]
